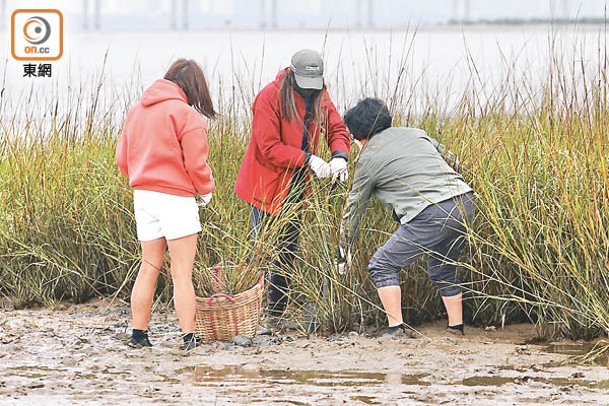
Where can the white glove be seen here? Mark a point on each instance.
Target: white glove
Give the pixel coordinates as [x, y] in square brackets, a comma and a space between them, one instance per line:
[339, 170]
[343, 263]
[203, 200]
[320, 167]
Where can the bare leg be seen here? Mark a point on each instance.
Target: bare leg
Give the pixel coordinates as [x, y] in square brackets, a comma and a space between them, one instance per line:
[143, 289]
[182, 253]
[454, 309]
[391, 297]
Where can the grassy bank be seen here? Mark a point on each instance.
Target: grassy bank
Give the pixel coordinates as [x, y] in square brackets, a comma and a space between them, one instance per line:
[538, 249]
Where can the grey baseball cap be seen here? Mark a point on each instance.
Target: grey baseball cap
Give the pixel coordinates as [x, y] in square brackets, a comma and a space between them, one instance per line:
[308, 68]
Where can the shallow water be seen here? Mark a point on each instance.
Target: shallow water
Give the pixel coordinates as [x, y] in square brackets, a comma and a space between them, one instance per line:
[236, 374]
[235, 383]
[558, 382]
[578, 350]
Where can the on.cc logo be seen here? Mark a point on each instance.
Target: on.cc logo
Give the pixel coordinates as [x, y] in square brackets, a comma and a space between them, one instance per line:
[36, 30]
[36, 34]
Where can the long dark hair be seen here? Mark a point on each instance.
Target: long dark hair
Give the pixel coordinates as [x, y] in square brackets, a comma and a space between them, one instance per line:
[288, 105]
[187, 74]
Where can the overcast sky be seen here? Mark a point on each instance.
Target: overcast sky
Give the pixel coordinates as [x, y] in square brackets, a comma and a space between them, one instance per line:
[135, 14]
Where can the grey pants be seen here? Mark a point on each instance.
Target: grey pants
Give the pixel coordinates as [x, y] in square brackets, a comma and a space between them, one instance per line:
[437, 231]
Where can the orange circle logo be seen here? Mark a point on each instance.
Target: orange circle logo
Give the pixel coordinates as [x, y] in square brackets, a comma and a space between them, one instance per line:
[36, 30]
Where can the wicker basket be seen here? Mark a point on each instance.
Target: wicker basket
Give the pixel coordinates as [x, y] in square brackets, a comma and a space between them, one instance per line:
[221, 316]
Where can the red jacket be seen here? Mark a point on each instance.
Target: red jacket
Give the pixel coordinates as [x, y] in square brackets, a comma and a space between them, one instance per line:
[163, 146]
[274, 151]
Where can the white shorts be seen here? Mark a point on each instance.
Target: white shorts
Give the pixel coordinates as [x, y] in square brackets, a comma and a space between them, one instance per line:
[159, 215]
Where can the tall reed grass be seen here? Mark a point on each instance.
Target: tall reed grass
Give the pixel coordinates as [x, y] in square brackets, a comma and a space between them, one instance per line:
[536, 154]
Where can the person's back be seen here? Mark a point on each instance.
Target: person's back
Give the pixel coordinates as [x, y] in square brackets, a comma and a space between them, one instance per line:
[407, 171]
[165, 141]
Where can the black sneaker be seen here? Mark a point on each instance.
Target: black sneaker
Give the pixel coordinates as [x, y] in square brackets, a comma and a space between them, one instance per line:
[398, 332]
[275, 324]
[269, 326]
[456, 330]
[139, 342]
[190, 342]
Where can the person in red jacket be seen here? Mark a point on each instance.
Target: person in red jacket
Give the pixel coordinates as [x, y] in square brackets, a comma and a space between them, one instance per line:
[163, 151]
[289, 115]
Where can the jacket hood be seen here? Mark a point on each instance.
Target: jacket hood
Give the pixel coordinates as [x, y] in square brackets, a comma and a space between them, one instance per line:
[281, 74]
[163, 90]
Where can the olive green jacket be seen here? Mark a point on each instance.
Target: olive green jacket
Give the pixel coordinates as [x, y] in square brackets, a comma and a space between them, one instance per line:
[407, 171]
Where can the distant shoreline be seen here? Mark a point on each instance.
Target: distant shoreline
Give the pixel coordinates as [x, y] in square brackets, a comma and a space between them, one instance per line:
[453, 25]
[531, 21]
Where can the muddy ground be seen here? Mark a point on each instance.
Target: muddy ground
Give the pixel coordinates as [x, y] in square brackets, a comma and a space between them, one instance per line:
[77, 355]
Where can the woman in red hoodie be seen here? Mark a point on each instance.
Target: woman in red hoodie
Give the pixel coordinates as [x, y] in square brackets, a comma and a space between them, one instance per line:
[289, 115]
[163, 151]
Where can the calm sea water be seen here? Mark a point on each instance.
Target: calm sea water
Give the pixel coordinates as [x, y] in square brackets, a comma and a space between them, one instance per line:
[408, 66]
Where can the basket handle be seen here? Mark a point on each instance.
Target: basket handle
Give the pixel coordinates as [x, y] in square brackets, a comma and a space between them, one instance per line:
[218, 295]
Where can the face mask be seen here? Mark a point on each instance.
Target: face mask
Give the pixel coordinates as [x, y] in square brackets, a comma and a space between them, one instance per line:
[304, 92]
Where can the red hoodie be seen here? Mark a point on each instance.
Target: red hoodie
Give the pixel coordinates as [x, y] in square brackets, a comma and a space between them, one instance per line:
[163, 146]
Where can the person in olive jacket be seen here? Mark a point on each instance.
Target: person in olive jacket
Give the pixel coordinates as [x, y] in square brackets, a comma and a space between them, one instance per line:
[289, 115]
[413, 175]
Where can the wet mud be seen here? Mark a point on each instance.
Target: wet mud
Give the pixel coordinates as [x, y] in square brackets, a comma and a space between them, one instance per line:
[78, 355]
